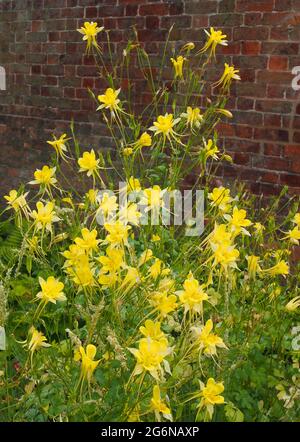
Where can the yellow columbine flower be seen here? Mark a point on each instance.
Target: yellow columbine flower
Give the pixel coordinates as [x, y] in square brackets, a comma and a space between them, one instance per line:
[211, 395]
[37, 340]
[193, 295]
[154, 198]
[152, 330]
[229, 74]
[225, 255]
[296, 219]
[293, 304]
[193, 117]
[220, 197]
[163, 303]
[281, 268]
[44, 216]
[259, 228]
[130, 214]
[293, 235]
[214, 38]
[113, 261]
[158, 406]
[90, 30]
[145, 257]
[127, 151]
[117, 233]
[164, 125]
[89, 240]
[210, 150]
[52, 290]
[220, 235]
[145, 140]
[157, 270]
[133, 185]
[88, 163]
[45, 176]
[150, 355]
[82, 274]
[253, 266]
[238, 221]
[59, 144]
[18, 202]
[155, 238]
[73, 255]
[178, 66]
[88, 365]
[207, 340]
[110, 101]
[107, 205]
[92, 196]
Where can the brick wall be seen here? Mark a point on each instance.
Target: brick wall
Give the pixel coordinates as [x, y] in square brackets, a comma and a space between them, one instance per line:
[47, 78]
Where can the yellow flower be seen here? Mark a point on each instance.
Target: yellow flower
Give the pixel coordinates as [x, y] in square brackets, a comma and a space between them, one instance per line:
[44, 216]
[155, 238]
[113, 261]
[152, 330]
[52, 290]
[253, 266]
[158, 406]
[211, 395]
[211, 150]
[59, 144]
[281, 268]
[293, 304]
[90, 30]
[107, 205]
[163, 303]
[156, 269]
[238, 221]
[110, 100]
[214, 38]
[225, 255]
[192, 116]
[296, 219]
[193, 295]
[145, 257]
[164, 125]
[207, 340]
[89, 240]
[127, 151]
[46, 176]
[92, 196]
[88, 163]
[130, 214]
[117, 233]
[145, 140]
[83, 274]
[293, 235]
[178, 66]
[150, 355]
[220, 197]
[73, 255]
[37, 340]
[18, 202]
[229, 74]
[88, 365]
[259, 228]
[133, 185]
[154, 198]
[220, 235]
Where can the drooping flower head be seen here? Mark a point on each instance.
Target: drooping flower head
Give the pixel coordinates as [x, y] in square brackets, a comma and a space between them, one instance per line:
[158, 406]
[178, 66]
[229, 74]
[90, 30]
[88, 365]
[214, 38]
[59, 145]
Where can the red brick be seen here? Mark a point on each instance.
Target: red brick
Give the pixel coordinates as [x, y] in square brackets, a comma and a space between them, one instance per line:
[278, 63]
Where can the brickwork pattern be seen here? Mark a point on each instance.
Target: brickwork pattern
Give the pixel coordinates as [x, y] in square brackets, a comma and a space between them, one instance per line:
[48, 77]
